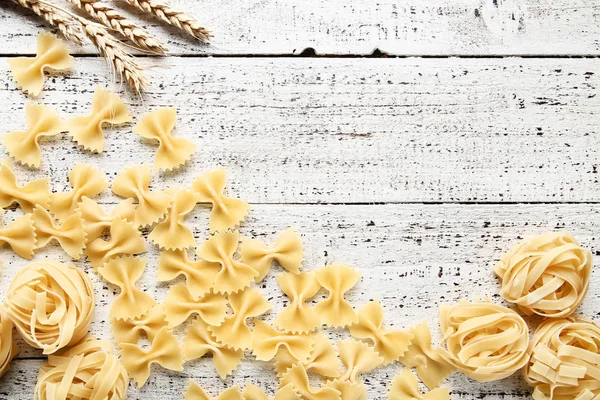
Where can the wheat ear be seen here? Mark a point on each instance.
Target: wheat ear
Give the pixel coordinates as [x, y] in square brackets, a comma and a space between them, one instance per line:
[112, 19]
[171, 16]
[64, 22]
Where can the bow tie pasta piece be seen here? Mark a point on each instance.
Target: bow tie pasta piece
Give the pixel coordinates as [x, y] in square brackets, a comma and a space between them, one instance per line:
[96, 221]
[348, 390]
[24, 146]
[233, 331]
[564, 360]
[125, 239]
[267, 341]
[123, 272]
[52, 55]
[180, 305]
[253, 392]
[390, 345]
[164, 350]
[198, 342]
[135, 182]
[85, 180]
[233, 275]
[287, 251]
[107, 108]
[298, 317]
[358, 358]
[484, 341]
[195, 392]
[337, 280]
[50, 285]
[20, 236]
[27, 196]
[323, 359]
[406, 387]
[85, 371]
[227, 212]
[129, 330]
[298, 378]
[431, 367]
[200, 275]
[70, 234]
[158, 125]
[172, 233]
[546, 275]
[8, 348]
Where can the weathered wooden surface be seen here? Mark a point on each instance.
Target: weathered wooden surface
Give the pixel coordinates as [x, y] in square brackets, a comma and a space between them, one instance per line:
[357, 130]
[401, 27]
[412, 257]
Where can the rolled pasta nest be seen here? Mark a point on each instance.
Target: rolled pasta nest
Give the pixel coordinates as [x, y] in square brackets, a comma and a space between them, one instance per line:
[485, 341]
[8, 348]
[51, 304]
[565, 360]
[546, 275]
[85, 371]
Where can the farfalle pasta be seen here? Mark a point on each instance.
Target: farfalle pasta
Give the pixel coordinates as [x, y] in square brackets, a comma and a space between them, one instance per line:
[349, 390]
[52, 56]
[267, 341]
[564, 360]
[428, 362]
[135, 182]
[298, 317]
[337, 280]
[358, 358]
[195, 392]
[323, 359]
[87, 370]
[234, 331]
[49, 285]
[158, 125]
[179, 305]
[164, 351]
[233, 275]
[172, 233]
[546, 275]
[24, 146]
[253, 392]
[390, 345]
[287, 251]
[33, 193]
[129, 330]
[200, 275]
[124, 272]
[107, 109]
[70, 234]
[298, 378]
[124, 240]
[8, 348]
[97, 222]
[86, 180]
[227, 212]
[20, 236]
[484, 341]
[406, 387]
[199, 341]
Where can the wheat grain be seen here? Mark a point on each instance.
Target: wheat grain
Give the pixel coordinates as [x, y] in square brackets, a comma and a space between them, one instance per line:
[65, 23]
[179, 19]
[112, 19]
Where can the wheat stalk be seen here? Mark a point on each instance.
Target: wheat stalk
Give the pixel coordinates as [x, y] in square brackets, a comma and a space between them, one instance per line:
[171, 16]
[112, 19]
[64, 22]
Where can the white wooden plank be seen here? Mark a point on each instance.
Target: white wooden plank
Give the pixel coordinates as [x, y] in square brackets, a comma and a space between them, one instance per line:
[356, 131]
[402, 27]
[412, 257]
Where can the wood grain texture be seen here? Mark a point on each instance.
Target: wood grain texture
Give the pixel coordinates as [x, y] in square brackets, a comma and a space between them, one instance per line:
[356, 130]
[412, 257]
[399, 27]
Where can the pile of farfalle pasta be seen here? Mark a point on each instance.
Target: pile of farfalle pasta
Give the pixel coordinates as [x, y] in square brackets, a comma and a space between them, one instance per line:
[51, 304]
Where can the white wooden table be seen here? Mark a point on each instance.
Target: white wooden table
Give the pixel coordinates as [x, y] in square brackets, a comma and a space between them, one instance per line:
[419, 170]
